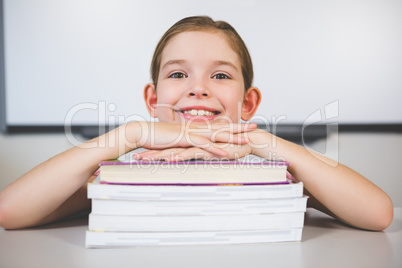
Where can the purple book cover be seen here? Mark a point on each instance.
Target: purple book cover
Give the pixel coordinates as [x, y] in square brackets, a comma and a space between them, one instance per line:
[190, 162]
[195, 184]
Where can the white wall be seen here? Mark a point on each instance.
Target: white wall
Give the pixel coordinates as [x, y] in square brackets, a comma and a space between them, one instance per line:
[376, 156]
[83, 53]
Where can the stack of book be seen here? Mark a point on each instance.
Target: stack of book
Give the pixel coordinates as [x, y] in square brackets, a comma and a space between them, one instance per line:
[193, 203]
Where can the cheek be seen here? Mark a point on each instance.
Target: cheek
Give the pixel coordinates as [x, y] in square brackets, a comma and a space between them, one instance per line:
[233, 101]
[234, 96]
[166, 101]
[165, 96]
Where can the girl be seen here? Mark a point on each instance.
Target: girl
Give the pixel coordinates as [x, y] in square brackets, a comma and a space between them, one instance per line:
[202, 86]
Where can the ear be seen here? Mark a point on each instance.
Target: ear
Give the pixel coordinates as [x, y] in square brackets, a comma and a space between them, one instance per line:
[150, 99]
[252, 100]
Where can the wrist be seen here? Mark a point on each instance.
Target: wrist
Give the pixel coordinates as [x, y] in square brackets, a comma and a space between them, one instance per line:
[264, 144]
[134, 134]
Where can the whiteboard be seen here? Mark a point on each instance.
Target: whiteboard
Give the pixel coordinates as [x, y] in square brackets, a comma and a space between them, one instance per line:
[87, 61]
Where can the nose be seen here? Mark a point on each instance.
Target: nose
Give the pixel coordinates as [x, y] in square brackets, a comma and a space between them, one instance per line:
[199, 90]
[195, 94]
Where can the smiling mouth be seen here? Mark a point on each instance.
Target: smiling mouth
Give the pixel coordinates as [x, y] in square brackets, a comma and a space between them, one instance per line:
[196, 112]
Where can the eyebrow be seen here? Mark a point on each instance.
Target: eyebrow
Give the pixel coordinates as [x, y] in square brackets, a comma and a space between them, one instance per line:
[225, 63]
[172, 62]
[216, 63]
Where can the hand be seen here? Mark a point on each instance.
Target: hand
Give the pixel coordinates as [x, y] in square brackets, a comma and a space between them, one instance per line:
[260, 143]
[160, 136]
[232, 151]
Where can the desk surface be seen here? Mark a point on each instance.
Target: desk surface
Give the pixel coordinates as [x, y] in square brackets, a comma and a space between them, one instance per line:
[325, 243]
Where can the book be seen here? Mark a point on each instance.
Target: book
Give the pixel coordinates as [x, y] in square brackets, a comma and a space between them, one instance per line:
[192, 172]
[118, 223]
[97, 190]
[193, 203]
[130, 239]
[190, 208]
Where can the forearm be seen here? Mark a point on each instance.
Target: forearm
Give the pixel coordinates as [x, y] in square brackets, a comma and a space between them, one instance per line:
[339, 190]
[44, 189]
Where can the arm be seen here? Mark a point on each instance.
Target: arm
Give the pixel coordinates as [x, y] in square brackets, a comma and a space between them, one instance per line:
[57, 188]
[334, 188]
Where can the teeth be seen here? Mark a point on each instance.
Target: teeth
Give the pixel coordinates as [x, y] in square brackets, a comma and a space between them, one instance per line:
[199, 112]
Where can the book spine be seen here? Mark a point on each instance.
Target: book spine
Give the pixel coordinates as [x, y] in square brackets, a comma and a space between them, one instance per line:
[130, 239]
[154, 193]
[160, 208]
[195, 223]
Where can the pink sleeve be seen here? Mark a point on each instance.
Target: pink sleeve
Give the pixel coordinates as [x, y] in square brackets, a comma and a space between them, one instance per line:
[96, 173]
[290, 177]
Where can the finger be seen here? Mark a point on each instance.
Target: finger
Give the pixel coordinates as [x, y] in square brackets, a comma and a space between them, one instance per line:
[157, 154]
[144, 154]
[206, 144]
[229, 127]
[225, 133]
[168, 155]
[225, 137]
[194, 153]
[221, 135]
[238, 128]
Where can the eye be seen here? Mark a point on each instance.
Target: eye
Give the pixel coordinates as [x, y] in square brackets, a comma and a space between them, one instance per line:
[177, 75]
[220, 76]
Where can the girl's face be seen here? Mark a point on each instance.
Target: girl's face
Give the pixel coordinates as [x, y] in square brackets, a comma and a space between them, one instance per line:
[200, 80]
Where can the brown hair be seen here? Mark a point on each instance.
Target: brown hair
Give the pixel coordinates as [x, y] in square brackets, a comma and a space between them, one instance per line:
[204, 23]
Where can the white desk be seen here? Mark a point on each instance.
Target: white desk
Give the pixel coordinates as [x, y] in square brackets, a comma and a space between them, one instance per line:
[325, 243]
